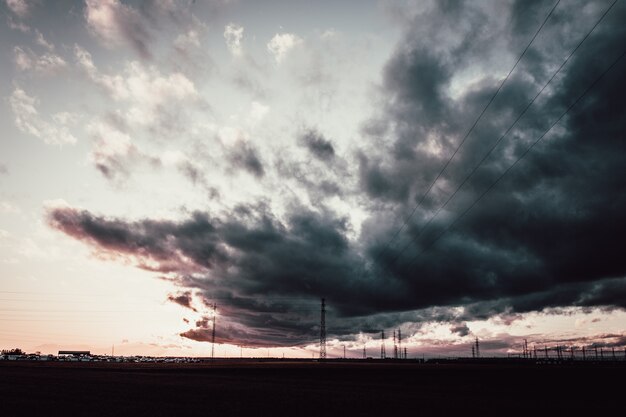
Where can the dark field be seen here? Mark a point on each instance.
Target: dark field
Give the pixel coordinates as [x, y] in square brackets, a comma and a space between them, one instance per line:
[306, 389]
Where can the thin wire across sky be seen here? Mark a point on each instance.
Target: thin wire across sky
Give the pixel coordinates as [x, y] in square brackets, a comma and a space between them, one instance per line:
[494, 146]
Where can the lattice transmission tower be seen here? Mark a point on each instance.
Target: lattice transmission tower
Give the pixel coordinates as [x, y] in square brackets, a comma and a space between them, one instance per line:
[323, 331]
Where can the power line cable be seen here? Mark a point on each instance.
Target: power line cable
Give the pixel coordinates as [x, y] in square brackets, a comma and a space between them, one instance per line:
[471, 129]
[421, 201]
[451, 225]
[495, 145]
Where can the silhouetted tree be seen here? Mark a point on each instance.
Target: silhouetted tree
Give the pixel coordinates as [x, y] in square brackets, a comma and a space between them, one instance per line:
[16, 351]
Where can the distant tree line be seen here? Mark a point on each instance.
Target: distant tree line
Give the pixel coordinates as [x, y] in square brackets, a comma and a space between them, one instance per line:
[16, 351]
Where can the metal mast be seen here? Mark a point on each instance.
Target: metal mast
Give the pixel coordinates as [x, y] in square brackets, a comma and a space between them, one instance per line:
[213, 332]
[323, 330]
[382, 345]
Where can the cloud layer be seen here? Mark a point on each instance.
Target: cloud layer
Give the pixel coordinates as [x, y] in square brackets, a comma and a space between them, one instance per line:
[546, 237]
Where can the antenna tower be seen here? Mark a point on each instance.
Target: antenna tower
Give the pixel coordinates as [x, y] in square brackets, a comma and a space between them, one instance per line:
[323, 331]
[213, 332]
[383, 355]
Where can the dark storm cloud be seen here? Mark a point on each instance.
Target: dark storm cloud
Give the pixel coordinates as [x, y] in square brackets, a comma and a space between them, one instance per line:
[460, 329]
[317, 144]
[266, 275]
[245, 156]
[194, 173]
[184, 299]
[547, 237]
[318, 181]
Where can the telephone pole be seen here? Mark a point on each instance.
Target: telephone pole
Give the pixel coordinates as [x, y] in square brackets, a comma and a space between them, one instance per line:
[323, 331]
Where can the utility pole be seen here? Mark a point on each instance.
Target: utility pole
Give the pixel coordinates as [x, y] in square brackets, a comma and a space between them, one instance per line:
[526, 351]
[383, 354]
[395, 346]
[400, 343]
[473, 351]
[213, 332]
[323, 331]
[477, 349]
[364, 353]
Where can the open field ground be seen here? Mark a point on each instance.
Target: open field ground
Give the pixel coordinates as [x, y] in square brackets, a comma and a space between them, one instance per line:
[271, 388]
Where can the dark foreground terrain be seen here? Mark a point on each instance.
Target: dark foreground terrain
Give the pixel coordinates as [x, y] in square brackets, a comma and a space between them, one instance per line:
[251, 388]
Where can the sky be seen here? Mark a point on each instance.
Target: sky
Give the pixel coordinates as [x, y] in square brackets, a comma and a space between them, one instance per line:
[449, 169]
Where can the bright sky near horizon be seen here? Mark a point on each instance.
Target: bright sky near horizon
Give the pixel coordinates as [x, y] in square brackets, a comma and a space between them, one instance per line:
[160, 156]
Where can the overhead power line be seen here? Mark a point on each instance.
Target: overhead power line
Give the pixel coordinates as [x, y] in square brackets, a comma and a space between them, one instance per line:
[495, 145]
[471, 129]
[488, 189]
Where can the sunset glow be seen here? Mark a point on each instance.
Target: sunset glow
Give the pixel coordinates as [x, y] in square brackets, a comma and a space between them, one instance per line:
[161, 157]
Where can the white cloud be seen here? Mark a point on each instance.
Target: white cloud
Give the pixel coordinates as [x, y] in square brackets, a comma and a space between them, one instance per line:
[102, 19]
[114, 154]
[144, 88]
[22, 59]
[112, 151]
[258, 111]
[149, 91]
[113, 85]
[17, 25]
[7, 208]
[109, 142]
[55, 203]
[46, 64]
[188, 39]
[28, 120]
[114, 24]
[233, 34]
[281, 44]
[231, 136]
[40, 40]
[329, 34]
[19, 7]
